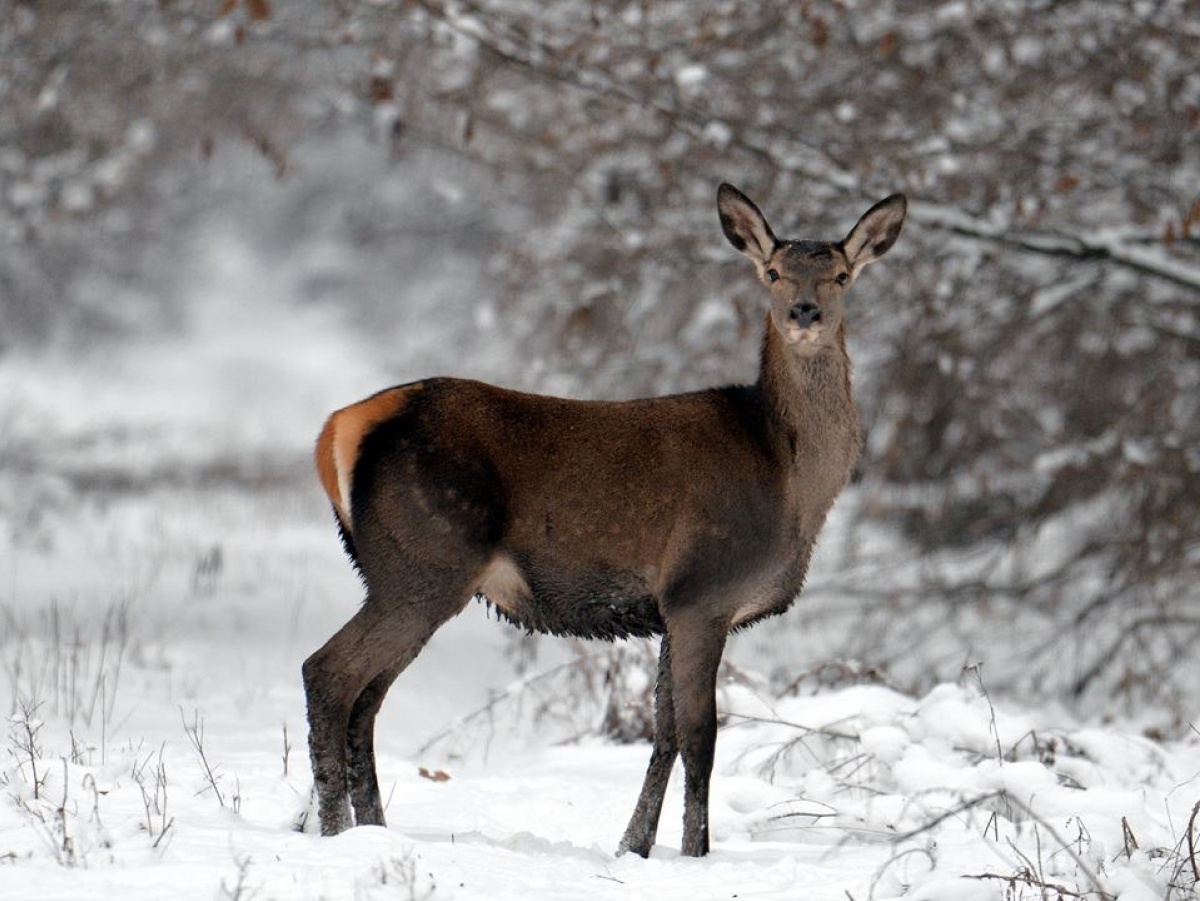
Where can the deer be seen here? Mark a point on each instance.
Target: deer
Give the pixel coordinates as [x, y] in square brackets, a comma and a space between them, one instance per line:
[684, 516]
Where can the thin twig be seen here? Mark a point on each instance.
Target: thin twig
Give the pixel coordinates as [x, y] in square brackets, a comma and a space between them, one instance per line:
[162, 834]
[195, 734]
[812, 730]
[883, 869]
[1131, 842]
[977, 670]
[969, 804]
[1026, 878]
[1191, 841]
[1079, 861]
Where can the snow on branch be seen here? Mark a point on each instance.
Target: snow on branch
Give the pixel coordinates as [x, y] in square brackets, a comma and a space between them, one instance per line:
[782, 149]
[1110, 245]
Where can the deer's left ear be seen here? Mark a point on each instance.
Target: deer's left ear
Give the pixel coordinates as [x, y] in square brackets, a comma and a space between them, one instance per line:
[744, 224]
[875, 232]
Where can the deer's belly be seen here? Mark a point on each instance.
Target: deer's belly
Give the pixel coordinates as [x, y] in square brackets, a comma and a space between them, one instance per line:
[598, 602]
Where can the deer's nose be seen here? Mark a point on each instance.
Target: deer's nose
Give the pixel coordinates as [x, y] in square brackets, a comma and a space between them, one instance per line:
[804, 313]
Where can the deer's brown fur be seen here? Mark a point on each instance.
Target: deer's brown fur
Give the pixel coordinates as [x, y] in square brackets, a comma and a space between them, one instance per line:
[682, 516]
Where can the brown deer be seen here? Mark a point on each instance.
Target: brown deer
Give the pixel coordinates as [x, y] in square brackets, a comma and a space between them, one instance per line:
[684, 516]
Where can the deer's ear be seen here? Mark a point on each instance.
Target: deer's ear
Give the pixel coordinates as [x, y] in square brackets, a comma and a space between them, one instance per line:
[744, 225]
[875, 232]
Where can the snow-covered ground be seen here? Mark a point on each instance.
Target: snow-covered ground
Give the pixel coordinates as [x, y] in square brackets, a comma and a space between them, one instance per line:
[167, 562]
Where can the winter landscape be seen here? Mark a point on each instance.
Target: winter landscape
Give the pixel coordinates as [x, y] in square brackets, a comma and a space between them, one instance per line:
[221, 221]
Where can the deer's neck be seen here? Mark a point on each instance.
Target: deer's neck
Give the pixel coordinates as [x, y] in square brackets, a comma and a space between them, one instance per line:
[810, 400]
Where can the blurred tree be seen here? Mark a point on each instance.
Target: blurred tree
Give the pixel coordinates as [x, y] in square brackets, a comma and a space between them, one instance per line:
[1028, 364]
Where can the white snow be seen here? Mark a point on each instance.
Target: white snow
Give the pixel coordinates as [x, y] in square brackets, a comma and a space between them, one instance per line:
[717, 133]
[691, 77]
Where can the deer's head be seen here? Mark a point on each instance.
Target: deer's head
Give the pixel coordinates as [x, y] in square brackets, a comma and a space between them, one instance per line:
[808, 280]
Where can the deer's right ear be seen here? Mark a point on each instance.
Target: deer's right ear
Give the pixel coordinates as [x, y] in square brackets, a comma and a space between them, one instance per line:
[744, 225]
[875, 232]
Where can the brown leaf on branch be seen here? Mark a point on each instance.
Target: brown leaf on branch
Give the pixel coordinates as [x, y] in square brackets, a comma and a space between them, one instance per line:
[1066, 183]
[380, 90]
[818, 30]
[1192, 218]
[258, 10]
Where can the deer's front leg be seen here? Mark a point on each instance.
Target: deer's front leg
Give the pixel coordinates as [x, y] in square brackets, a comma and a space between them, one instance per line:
[697, 642]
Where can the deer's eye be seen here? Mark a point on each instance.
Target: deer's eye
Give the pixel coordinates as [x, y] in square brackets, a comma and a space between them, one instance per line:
[842, 278]
[772, 275]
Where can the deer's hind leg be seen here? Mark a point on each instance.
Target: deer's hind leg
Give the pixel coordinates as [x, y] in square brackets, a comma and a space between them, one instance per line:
[334, 676]
[360, 732]
[643, 825]
[361, 777]
[346, 680]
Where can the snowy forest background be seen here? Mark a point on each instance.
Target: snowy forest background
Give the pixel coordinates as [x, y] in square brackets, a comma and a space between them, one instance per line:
[526, 194]
[221, 219]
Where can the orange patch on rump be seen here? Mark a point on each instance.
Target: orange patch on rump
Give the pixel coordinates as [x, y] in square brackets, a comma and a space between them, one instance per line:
[327, 465]
[340, 439]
